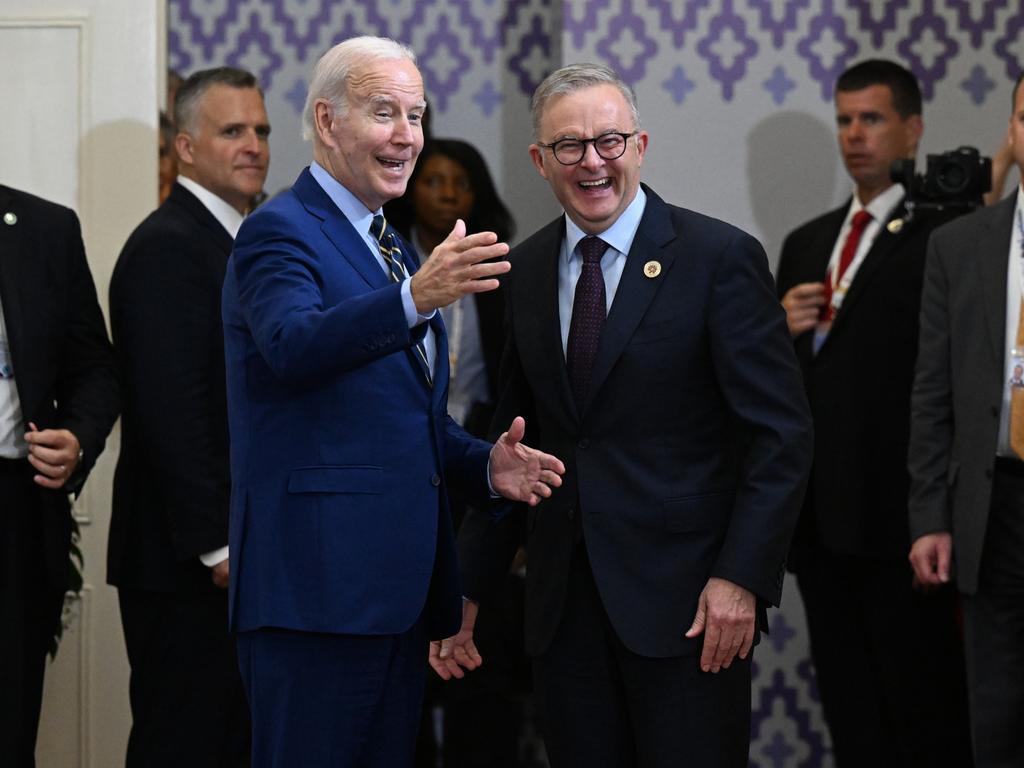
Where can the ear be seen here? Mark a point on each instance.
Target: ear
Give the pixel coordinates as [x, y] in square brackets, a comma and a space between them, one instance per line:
[323, 120]
[183, 147]
[915, 130]
[641, 145]
[537, 156]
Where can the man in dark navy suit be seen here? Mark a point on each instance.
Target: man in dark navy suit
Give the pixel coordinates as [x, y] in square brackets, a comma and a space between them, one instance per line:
[168, 551]
[646, 348]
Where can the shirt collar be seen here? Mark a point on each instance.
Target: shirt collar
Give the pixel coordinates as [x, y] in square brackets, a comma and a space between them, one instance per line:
[881, 206]
[619, 235]
[359, 215]
[222, 211]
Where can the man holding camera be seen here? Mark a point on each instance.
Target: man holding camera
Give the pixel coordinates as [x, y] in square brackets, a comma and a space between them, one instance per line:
[967, 446]
[887, 655]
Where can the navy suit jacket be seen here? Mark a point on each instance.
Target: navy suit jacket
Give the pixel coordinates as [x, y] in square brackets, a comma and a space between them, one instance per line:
[690, 455]
[340, 451]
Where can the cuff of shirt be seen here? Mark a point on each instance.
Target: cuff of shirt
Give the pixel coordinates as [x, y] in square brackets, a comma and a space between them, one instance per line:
[216, 557]
[412, 317]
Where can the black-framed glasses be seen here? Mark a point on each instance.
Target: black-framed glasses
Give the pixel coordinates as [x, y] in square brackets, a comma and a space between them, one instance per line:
[609, 146]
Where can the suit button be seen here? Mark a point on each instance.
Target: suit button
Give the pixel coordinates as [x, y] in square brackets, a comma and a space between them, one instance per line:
[571, 513]
[583, 442]
[435, 480]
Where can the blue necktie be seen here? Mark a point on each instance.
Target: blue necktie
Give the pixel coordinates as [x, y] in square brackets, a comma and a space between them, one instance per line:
[392, 255]
[588, 316]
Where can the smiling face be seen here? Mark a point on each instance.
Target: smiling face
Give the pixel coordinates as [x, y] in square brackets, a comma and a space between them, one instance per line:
[873, 135]
[227, 150]
[595, 191]
[372, 148]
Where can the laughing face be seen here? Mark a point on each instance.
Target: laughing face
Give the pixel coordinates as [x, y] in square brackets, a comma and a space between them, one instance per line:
[372, 148]
[594, 192]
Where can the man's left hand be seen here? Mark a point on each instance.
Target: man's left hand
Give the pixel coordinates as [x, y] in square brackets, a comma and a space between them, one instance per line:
[522, 473]
[726, 615]
[53, 453]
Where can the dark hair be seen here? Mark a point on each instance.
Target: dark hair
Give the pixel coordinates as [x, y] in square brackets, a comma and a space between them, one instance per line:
[186, 103]
[906, 93]
[489, 212]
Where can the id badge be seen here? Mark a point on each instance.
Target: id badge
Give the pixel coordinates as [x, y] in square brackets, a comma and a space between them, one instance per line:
[6, 370]
[1015, 374]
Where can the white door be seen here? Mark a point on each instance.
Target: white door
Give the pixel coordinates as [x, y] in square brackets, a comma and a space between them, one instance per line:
[79, 91]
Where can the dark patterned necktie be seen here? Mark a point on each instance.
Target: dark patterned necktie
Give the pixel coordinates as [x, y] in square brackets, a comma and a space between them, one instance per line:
[392, 255]
[588, 316]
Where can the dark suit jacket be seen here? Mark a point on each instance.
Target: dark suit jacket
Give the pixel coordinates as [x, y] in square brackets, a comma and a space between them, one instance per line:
[62, 360]
[958, 385]
[688, 459]
[172, 482]
[858, 386]
[340, 452]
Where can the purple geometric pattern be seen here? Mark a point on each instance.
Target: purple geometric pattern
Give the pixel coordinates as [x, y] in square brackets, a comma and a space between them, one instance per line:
[1010, 40]
[678, 84]
[728, 73]
[631, 69]
[978, 84]
[966, 19]
[678, 25]
[928, 21]
[825, 27]
[778, 27]
[779, 85]
[877, 27]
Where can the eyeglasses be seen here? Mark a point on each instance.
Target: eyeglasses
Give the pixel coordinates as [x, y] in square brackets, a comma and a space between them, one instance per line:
[609, 146]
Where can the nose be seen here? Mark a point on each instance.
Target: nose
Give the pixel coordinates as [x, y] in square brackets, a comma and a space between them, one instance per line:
[591, 160]
[253, 144]
[402, 133]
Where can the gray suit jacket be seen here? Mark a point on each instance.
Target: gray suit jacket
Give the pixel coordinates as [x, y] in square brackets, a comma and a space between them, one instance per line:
[958, 383]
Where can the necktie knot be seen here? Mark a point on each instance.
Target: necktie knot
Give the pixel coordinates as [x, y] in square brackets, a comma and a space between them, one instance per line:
[860, 220]
[592, 249]
[378, 227]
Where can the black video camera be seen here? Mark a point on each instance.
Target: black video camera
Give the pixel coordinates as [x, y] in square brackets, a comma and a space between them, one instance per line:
[953, 180]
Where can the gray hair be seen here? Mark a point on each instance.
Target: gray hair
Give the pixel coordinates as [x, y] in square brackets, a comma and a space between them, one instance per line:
[576, 77]
[190, 93]
[332, 71]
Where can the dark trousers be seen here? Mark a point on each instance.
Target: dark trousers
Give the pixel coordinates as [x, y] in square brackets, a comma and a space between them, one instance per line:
[994, 624]
[188, 704]
[29, 613]
[344, 701]
[603, 706]
[889, 663]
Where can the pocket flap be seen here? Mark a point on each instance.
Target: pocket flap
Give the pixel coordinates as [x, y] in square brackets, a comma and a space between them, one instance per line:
[707, 511]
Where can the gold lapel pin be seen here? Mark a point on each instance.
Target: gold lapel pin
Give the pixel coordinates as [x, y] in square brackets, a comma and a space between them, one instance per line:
[10, 219]
[895, 226]
[652, 269]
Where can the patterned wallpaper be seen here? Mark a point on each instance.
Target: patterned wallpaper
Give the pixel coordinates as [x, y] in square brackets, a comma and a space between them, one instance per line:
[736, 94]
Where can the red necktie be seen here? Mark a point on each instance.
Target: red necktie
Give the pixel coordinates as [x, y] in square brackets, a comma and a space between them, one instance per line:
[860, 221]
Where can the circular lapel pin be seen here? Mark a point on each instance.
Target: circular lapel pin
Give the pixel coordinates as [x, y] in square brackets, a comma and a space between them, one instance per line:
[652, 269]
[895, 226]
[10, 219]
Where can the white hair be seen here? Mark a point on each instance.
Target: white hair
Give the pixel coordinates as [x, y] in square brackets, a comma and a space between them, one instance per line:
[332, 71]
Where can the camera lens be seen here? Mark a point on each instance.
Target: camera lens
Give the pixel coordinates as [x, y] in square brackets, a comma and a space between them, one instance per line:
[951, 178]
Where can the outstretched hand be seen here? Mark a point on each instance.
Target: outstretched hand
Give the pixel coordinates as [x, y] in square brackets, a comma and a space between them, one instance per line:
[522, 473]
[460, 265]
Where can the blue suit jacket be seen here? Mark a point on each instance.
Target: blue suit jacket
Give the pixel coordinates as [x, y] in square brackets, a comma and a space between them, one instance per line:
[340, 452]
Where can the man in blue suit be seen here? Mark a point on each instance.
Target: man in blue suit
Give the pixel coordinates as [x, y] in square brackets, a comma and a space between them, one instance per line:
[343, 557]
[646, 345]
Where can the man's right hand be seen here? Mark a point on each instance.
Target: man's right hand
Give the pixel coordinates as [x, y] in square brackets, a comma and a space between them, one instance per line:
[448, 657]
[221, 573]
[930, 556]
[803, 305]
[458, 266]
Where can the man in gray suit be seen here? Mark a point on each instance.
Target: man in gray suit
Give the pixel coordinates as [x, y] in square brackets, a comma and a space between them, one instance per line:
[966, 451]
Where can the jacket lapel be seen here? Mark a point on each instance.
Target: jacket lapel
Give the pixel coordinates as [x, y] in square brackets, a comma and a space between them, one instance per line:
[992, 251]
[12, 263]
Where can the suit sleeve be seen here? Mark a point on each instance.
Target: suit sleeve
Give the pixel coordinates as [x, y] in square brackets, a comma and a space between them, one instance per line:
[757, 371]
[165, 307]
[931, 408]
[300, 336]
[86, 386]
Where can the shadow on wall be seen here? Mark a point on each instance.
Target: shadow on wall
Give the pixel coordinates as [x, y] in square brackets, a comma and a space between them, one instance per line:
[791, 170]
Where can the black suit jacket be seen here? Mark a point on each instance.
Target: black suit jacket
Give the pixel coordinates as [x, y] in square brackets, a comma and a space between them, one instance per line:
[172, 482]
[63, 364]
[859, 385]
[688, 459]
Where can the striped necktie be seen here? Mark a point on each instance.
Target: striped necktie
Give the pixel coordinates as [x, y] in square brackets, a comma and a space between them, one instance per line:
[392, 255]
